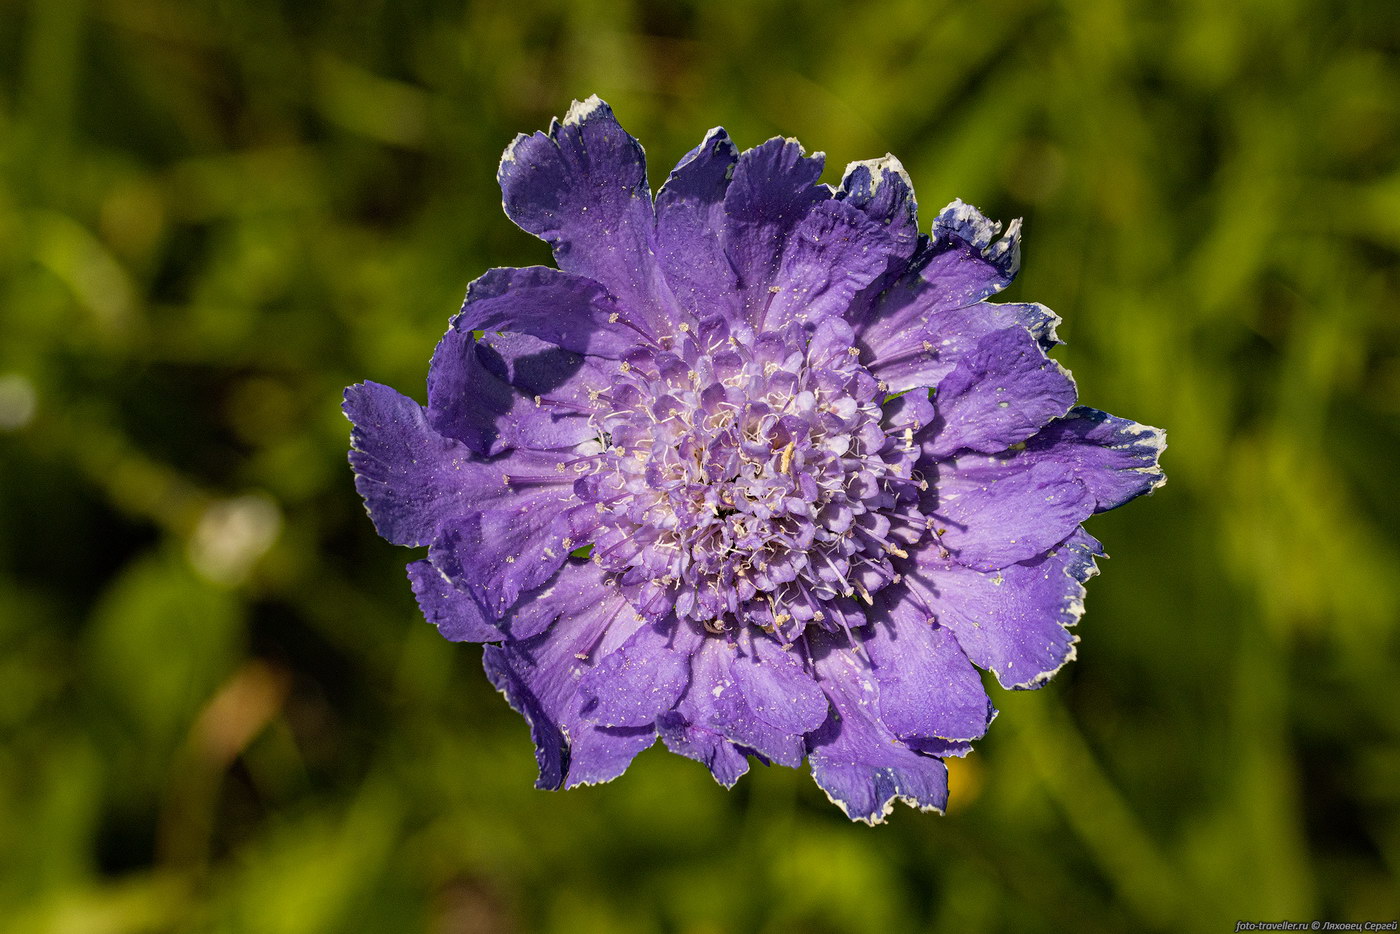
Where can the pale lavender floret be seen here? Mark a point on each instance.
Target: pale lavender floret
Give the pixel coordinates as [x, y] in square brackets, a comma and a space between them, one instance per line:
[820, 476]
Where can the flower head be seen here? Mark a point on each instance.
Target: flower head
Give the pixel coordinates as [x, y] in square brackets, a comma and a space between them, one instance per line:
[757, 469]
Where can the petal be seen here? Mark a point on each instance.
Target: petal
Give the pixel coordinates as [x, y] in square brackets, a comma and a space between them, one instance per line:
[470, 402]
[833, 253]
[911, 340]
[968, 263]
[697, 726]
[540, 679]
[456, 613]
[464, 400]
[882, 190]
[714, 713]
[499, 553]
[736, 720]
[773, 188]
[909, 411]
[577, 584]
[928, 688]
[856, 760]
[998, 395]
[991, 514]
[411, 477]
[1114, 457]
[583, 190]
[1013, 621]
[776, 686]
[724, 760]
[539, 368]
[569, 311]
[645, 677]
[689, 219]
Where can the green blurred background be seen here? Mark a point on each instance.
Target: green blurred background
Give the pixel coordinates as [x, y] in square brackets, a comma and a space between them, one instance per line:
[219, 708]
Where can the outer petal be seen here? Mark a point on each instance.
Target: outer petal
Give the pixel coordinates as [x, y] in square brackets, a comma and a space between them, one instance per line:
[411, 477]
[583, 190]
[998, 395]
[689, 219]
[774, 187]
[569, 311]
[538, 368]
[498, 554]
[577, 585]
[645, 677]
[456, 613]
[882, 190]
[470, 402]
[776, 686]
[1013, 621]
[912, 340]
[833, 253]
[540, 678]
[699, 726]
[855, 759]
[991, 516]
[928, 688]
[967, 263]
[1114, 457]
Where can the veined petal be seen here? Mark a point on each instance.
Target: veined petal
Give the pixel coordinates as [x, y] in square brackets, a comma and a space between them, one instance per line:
[1116, 458]
[776, 686]
[1013, 621]
[539, 368]
[540, 677]
[968, 261]
[992, 515]
[470, 402]
[500, 553]
[998, 395]
[856, 760]
[455, 613]
[773, 189]
[832, 253]
[582, 188]
[912, 340]
[412, 478]
[569, 311]
[689, 220]
[645, 677]
[882, 190]
[928, 688]
[699, 726]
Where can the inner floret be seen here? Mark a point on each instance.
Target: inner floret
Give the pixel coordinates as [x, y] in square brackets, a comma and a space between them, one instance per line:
[744, 478]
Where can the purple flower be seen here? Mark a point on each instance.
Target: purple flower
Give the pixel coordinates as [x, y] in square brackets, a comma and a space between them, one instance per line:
[758, 468]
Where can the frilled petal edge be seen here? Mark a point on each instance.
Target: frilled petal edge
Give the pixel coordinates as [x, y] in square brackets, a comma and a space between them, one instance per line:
[582, 188]
[411, 477]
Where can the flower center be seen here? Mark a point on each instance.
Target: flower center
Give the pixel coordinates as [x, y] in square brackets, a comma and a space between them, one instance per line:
[751, 479]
